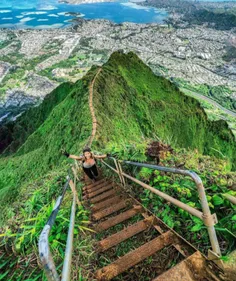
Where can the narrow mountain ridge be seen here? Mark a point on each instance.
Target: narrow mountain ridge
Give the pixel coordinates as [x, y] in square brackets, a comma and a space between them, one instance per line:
[131, 105]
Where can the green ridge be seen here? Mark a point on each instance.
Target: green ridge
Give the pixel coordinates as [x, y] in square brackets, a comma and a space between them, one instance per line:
[131, 103]
[132, 106]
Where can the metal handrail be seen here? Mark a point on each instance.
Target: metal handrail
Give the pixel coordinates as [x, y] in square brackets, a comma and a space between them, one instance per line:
[230, 197]
[206, 216]
[43, 245]
[69, 244]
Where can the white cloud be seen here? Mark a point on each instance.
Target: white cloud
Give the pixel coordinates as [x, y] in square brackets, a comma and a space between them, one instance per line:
[26, 19]
[7, 18]
[5, 11]
[19, 17]
[42, 20]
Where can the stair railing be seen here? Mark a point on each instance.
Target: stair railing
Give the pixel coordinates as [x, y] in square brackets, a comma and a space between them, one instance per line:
[43, 245]
[208, 219]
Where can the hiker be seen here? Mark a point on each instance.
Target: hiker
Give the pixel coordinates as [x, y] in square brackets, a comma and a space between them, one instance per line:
[88, 162]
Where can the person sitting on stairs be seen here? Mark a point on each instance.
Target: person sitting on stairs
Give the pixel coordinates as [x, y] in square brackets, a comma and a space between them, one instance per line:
[88, 162]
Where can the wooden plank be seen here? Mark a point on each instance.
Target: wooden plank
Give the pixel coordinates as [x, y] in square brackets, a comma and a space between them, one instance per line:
[110, 210]
[124, 234]
[104, 195]
[106, 203]
[118, 219]
[99, 191]
[134, 257]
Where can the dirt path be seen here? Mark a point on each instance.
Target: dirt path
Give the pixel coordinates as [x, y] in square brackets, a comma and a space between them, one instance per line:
[94, 120]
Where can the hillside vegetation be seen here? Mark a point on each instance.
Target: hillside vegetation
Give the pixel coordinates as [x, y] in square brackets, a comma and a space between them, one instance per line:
[132, 105]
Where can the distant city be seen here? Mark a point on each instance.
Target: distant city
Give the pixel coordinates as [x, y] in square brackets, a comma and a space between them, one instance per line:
[43, 44]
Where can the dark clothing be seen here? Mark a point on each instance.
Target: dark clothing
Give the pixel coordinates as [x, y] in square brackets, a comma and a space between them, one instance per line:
[91, 172]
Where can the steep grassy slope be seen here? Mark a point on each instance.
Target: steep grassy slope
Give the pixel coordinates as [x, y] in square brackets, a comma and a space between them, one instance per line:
[132, 106]
[67, 126]
[132, 103]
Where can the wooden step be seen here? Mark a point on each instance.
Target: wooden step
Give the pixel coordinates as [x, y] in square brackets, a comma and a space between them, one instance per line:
[104, 195]
[184, 271]
[110, 210]
[96, 187]
[134, 257]
[89, 185]
[118, 219]
[99, 191]
[96, 183]
[99, 187]
[106, 203]
[124, 234]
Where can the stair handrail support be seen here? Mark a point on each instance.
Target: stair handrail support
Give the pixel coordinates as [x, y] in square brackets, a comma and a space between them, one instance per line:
[209, 219]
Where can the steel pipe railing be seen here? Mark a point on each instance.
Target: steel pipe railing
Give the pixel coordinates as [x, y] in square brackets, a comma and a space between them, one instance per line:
[69, 244]
[206, 216]
[231, 198]
[43, 245]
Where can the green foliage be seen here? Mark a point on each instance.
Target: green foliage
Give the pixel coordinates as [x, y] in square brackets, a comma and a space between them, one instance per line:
[31, 211]
[32, 63]
[153, 106]
[216, 181]
[132, 106]
[220, 94]
[222, 19]
[68, 63]
[12, 57]
[4, 44]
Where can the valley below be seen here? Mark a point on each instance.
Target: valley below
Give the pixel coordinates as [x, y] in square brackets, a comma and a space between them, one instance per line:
[34, 62]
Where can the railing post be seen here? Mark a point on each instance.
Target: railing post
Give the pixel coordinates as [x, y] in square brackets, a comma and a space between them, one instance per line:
[121, 173]
[118, 170]
[208, 219]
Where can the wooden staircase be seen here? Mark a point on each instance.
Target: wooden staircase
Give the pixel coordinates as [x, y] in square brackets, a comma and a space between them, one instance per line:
[111, 206]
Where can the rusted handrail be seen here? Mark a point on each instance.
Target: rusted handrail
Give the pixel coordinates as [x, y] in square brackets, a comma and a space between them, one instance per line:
[206, 216]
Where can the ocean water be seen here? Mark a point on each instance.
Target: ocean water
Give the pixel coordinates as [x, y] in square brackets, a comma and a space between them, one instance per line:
[52, 14]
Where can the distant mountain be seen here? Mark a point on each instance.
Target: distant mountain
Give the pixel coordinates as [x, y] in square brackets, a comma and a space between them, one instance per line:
[218, 18]
[131, 105]
[219, 15]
